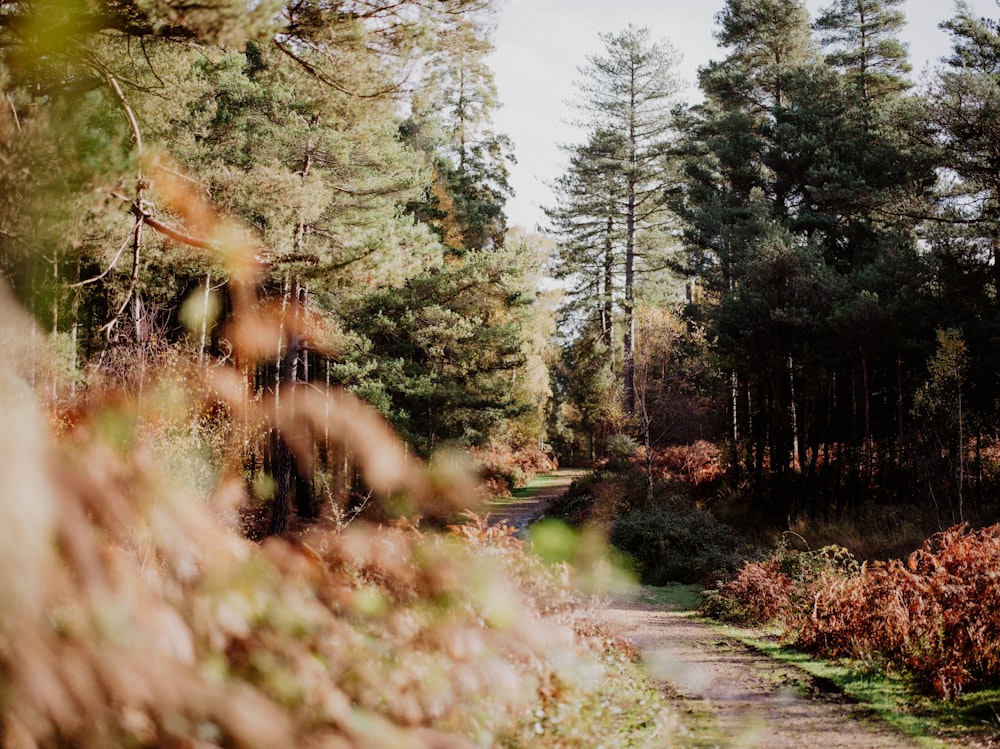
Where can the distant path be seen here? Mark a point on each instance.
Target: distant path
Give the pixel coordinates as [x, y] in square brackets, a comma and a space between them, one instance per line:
[522, 510]
[738, 698]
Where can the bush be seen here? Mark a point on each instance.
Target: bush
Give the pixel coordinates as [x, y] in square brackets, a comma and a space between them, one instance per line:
[696, 464]
[621, 449]
[503, 468]
[779, 588]
[674, 543]
[139, 617]
[760, 594]
[936, 615]
[597, 498]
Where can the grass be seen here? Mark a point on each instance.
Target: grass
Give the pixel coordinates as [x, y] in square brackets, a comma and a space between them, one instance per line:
[673, 596]
[891, 697]
[540, 481]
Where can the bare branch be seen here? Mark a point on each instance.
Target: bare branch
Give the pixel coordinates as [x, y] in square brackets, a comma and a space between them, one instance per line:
[133, 279]
[122, 101]
[111, 267]
[13, 111]
[176, 234]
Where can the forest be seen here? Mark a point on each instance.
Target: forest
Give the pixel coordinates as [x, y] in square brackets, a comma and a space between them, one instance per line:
[269, 342]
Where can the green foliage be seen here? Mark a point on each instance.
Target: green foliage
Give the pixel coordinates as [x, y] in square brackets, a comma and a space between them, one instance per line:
[801, 178]
[862, 42]
[675, 543]
[444, 348]
[621, 449]
[450, 121]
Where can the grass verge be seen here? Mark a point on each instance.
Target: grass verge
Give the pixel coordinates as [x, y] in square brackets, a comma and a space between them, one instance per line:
[538, 483]
[891, 697]
[673, 596]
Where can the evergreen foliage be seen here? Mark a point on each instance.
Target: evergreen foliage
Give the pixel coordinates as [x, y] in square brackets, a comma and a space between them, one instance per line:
[287, 119]
[612, 217]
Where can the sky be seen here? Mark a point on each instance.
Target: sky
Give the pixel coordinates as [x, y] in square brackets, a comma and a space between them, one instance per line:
[541, 44]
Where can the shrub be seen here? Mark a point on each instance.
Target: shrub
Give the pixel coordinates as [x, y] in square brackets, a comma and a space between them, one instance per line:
[936, 615]
[140, 617]
[697, 463]
[676, 543]
[760, 594]
[597, 498]
[621, 449]
[503, 468]
[780, 588]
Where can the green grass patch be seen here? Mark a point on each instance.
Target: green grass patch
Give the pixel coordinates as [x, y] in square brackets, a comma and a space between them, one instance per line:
[894, 698]
[673, 596]
[539, 482]
[528, 491]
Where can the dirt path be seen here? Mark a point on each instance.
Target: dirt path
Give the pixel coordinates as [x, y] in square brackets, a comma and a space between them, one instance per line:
[519, 512]
[738, 698]
[734, 697]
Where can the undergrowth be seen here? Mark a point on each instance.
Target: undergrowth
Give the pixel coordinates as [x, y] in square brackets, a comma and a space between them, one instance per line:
[934, 615]
[135, 613]
[504, 468]
[671, 536]
[140, 617]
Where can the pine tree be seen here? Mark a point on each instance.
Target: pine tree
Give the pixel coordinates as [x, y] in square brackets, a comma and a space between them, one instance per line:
[626, 96]
[800, 203]
[451, 121]
[862, 39]
[767, 40]
[590, 228]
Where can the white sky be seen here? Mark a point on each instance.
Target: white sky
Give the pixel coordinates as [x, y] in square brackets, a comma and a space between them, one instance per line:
[540, 44]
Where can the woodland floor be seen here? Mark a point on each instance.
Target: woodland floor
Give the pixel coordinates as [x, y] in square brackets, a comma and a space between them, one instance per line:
[732, 696]
[528, 505]
[729, 695]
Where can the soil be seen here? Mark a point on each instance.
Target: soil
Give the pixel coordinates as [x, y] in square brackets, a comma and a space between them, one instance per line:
[737, 697]
[522, 512]
[731, 695]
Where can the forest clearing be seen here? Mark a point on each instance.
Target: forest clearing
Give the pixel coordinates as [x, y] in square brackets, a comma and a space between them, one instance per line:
[275, 366]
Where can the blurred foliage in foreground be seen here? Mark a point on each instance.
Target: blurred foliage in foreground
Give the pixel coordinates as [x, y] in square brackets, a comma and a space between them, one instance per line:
[194, 201]
[134, 613]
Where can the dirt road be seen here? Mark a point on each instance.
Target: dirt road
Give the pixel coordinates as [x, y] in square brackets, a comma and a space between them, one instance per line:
[520, 512]
[737, 698]
[733, 697]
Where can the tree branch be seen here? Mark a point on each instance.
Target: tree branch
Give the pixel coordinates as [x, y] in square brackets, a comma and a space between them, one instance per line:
[176, 234]
[111, 267]
[122, 102]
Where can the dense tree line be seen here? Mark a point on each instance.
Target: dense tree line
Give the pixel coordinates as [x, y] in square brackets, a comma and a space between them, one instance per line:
[802, 265]
[836, 227]
[350, 141]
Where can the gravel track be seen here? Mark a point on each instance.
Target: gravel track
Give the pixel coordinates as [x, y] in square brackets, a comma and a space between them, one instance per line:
[521, 512]
[741, 698]
[732, 696]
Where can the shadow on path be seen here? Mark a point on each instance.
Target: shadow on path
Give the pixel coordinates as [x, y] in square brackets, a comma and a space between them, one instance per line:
[747, 699]
[521, 511]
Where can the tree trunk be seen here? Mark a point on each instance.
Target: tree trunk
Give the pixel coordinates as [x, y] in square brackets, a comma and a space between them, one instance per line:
[292, 478]
[628, 365]
[608, 311]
